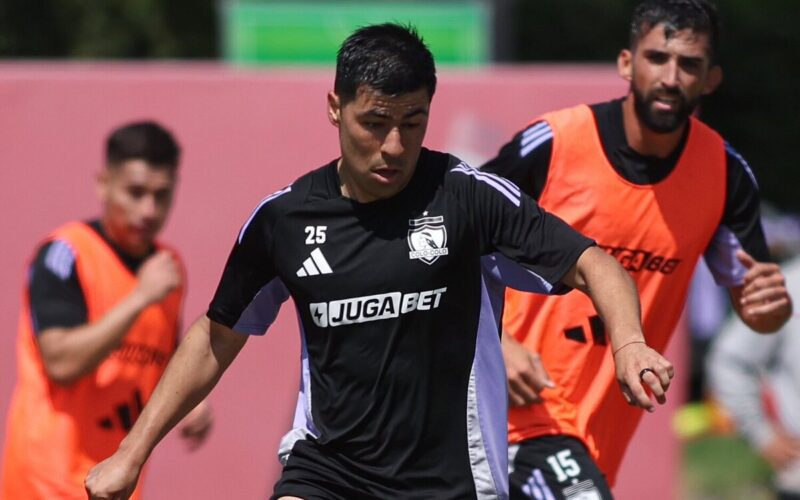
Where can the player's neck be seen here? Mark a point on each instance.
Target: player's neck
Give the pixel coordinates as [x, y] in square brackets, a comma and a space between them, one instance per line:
[645, 141]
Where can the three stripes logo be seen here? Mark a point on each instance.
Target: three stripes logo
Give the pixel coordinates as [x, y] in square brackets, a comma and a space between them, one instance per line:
[536, 487]
[314, 265]
[125, 414]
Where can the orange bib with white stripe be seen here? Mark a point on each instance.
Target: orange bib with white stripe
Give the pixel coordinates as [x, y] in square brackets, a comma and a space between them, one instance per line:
[57, 433]
[657, 232]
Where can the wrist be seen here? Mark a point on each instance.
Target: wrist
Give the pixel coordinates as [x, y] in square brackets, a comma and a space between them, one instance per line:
[132, 453]
[506, 338]
[139, 299]
[617, 347]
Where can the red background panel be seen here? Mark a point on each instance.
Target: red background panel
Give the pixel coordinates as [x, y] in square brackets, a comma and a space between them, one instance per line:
[245, 134]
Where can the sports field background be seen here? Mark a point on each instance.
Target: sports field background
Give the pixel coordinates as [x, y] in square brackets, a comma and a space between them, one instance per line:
[245, 134]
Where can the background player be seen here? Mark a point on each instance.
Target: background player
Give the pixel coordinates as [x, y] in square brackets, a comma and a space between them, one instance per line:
[100, 320]
[657, 189]
[756, 379]
[402, 376]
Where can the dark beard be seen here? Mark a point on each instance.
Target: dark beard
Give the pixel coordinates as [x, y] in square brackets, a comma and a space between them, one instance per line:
[660, 121]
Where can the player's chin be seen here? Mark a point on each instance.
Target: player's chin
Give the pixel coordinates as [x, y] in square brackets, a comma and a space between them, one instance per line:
[139, 241]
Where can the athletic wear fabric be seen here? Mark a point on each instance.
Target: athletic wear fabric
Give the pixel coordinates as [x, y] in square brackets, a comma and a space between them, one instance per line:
[56, 433]
[657, 230]
[526, 159]
[554, 468]
[56, 298]
[403, 388]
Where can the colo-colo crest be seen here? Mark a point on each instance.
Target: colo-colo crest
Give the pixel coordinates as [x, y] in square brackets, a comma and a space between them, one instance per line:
[427, 239]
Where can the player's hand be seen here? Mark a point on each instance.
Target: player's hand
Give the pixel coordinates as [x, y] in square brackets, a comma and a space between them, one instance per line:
[196, 425]
[525, 373]
[158, 276]
[112, 479]
[781, 450]
[639, 369]
[764, 301]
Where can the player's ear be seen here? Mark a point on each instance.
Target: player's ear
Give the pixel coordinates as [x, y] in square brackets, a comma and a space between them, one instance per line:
[101, 184]
[625, 64]
[334, 108]
[713, 79]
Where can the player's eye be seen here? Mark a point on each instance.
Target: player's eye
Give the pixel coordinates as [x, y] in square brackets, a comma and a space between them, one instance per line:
[163, 195]
[136, 192]
[657, 57]
[691, 65]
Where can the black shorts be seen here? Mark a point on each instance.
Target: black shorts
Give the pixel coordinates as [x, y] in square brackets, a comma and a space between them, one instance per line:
[311, 474]
[554, 468]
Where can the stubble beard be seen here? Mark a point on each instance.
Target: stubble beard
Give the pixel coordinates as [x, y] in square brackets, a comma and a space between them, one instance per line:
[660, 121]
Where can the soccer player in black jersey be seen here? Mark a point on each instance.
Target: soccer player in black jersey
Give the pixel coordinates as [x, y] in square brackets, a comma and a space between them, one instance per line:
[391, 253]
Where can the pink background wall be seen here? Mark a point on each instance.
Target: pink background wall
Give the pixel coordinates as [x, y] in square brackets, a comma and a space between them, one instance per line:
[245, 134]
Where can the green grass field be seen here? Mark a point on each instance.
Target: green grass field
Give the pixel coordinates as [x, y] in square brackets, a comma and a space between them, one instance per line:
[723, 468]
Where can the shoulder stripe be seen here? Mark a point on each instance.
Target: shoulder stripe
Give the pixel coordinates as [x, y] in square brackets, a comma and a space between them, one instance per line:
[60, 259]
[535, 129]
[263, 202]
[504, 186]
[535, 139]
[480, 174]
[731, 151]
[533, 133]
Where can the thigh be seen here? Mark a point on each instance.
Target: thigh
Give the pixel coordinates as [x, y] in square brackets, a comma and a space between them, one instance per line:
[553, 468]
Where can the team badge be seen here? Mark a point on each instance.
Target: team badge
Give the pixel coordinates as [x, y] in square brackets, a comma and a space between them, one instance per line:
[427, 239]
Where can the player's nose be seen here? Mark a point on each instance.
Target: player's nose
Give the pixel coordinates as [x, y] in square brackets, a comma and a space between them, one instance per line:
[393, 143]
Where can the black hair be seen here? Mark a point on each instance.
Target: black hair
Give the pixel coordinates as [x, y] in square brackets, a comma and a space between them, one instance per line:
[389, 58]
[146, 140]
[699, 16]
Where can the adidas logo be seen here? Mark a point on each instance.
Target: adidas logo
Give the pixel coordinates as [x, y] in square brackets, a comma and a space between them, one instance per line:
[126, 414]
[314, 265]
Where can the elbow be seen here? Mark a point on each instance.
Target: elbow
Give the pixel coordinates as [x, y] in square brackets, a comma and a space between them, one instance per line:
[597, 267]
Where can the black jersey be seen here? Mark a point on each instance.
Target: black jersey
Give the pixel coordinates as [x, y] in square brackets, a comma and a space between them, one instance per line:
[526, 159]
[56, 297]
[403, 384]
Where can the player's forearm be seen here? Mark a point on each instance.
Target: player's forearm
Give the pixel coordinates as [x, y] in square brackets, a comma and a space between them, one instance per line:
[70, 353]
[613, 294]
[193, 371]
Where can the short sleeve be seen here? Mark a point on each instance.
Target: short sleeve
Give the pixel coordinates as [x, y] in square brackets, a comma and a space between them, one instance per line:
[512, 223]
[249, 268]
[740, 228]
[55, 295]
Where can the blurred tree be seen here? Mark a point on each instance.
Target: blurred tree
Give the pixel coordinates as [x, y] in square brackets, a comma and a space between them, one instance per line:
[757, 108]
[108, 29]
